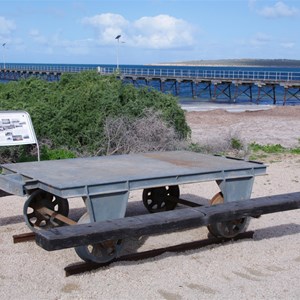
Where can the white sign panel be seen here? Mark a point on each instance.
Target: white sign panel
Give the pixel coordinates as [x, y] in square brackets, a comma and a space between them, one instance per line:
[16, 128]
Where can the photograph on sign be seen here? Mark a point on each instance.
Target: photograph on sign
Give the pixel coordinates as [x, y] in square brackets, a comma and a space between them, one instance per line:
[16, 129]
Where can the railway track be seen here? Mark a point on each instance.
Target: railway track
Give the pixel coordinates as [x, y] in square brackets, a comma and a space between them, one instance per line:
[83, 267]
[24, 237]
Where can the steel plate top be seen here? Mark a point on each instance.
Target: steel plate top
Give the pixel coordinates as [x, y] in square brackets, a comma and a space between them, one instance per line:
[68, 173]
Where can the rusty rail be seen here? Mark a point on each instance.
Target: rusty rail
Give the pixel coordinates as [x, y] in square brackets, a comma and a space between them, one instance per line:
[83, 267]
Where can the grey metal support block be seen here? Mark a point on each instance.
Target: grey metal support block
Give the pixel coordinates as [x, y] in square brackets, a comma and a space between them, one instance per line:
[107, 206]
[236, 189]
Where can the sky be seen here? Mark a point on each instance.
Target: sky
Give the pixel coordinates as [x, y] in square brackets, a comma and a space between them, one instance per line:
[152, 31]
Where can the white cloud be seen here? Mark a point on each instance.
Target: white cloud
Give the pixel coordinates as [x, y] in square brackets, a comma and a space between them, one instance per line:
[158, 32]
[251, 4]
[72, 47]
[107, 26]
[287, 45]
[280, 9]
[259, 39]
[57, 42]
[6, 26]
[37, 37]
[162, 31]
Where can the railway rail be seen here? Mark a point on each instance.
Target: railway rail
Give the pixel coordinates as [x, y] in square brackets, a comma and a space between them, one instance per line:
[83, 267]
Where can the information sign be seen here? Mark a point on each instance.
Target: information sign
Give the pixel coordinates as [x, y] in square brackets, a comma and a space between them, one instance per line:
[16, 129]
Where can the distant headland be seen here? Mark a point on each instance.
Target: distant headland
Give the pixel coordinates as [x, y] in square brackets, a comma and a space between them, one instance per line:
[289, 63]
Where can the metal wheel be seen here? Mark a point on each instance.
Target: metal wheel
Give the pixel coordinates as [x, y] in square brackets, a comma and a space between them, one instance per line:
[101, 252]
[38, 201]
[227, 229]
[158, 199]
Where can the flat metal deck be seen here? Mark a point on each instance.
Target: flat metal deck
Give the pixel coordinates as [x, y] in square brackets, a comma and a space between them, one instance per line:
[72, 177]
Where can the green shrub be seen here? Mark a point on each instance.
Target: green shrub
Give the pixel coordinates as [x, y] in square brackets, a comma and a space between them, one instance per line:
[236, 144]
[295, 150]
[72, 112]
[273, 148]
[51, 154]
[12, 154]
[196, 147]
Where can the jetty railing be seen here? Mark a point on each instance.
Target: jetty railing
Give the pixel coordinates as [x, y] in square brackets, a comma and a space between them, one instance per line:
[178, 73]
[47, 68]
[276, 76]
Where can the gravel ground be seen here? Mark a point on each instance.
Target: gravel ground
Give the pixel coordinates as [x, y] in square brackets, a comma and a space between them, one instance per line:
[278, 125]
[266, 267]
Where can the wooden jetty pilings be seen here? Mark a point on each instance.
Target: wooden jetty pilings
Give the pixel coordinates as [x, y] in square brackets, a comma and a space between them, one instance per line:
[254, 86]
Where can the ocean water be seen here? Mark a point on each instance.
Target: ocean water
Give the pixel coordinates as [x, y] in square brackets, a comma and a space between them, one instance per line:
[201, 92]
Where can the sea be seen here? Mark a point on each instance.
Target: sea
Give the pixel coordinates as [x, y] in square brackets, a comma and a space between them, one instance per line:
[201, 95]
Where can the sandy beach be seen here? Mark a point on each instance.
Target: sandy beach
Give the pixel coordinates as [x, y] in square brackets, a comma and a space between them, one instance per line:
[265, 267]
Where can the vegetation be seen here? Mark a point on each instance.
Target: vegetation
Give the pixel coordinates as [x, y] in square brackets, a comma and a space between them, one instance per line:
[265, 151]
[73, 113]
[273, 148]
[144, 134]
[235, 147]
[236, 144]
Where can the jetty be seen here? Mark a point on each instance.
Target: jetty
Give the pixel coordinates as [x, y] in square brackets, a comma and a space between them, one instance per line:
[212, 84]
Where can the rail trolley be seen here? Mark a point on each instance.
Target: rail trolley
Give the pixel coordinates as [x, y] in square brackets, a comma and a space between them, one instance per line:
[104, 184]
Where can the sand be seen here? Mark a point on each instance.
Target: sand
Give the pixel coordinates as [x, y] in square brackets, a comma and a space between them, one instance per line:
[266, 267]
[278, 125]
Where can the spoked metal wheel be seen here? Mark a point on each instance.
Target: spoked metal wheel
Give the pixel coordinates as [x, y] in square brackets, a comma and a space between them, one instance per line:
[158, 199]
[227, 229]
[40, 209]
[101, 252]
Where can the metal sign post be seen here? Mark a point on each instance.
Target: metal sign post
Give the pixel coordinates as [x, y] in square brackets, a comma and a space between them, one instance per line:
[16, 129]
